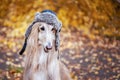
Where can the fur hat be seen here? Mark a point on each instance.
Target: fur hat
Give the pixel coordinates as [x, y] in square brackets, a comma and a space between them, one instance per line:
[48, 17]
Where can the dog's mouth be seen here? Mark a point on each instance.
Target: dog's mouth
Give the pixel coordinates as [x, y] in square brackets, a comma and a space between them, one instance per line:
[46, 50]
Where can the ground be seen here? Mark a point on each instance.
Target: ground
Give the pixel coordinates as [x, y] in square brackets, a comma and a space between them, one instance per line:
[85, 57]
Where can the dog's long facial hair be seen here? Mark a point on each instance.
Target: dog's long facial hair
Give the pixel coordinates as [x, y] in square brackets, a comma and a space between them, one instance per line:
[41, 59]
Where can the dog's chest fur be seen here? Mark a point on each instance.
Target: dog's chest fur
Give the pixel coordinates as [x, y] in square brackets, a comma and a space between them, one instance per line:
[47, 68]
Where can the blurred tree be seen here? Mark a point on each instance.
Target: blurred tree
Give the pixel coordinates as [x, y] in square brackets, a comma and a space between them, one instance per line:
[99, 17]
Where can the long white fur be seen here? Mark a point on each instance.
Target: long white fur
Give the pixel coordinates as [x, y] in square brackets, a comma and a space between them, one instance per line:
[41, 65]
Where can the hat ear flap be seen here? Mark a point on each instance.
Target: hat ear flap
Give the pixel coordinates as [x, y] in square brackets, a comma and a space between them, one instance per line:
[24, 47]
[60, 25]
[37, 16]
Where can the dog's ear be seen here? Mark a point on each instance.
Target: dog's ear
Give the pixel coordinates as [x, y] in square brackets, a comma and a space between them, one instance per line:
[28, 32]
[33, 37]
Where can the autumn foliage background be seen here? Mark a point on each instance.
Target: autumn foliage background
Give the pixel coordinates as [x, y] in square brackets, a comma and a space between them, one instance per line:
[90, 37]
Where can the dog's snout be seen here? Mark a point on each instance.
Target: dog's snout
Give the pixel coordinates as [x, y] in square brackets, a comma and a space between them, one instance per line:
[49, 46]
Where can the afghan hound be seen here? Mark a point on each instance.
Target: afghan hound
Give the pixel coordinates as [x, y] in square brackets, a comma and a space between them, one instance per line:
[41, 60]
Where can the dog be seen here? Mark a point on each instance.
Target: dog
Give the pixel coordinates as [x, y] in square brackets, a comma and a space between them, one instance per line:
[42, 40]
[41, 60]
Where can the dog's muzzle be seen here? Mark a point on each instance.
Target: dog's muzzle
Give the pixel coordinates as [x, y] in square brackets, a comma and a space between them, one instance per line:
[48, 47]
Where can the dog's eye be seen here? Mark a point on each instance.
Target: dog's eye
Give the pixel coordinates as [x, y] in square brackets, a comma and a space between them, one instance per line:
[42, 28]
[53, 30]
